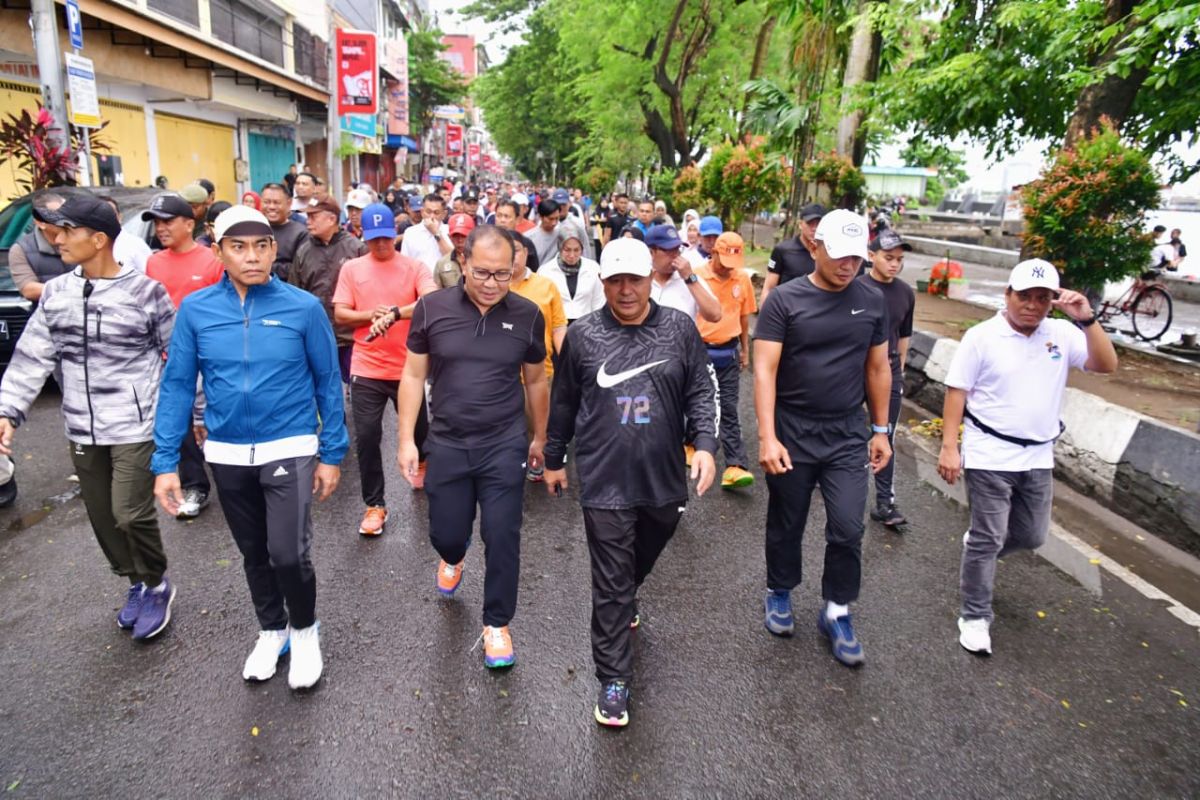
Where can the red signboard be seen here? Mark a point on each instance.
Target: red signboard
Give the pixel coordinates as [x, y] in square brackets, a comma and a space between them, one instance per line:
[357, 73]
[473, 154]
[454, 141]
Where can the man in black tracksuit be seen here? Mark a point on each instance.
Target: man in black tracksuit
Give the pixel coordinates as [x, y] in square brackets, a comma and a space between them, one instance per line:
[629, 375]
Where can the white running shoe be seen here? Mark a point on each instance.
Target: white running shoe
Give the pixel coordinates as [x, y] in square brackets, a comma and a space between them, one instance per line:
[974, 636]
[306, 657]
[270, 647]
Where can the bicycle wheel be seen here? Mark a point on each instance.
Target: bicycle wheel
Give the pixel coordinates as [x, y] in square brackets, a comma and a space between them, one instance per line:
[1152, 313]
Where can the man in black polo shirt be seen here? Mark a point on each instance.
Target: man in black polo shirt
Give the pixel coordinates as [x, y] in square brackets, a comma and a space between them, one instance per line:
[887, 260]
[792, 258]
[628, 375]
[475, 342]
[821, 346]
[614, 226]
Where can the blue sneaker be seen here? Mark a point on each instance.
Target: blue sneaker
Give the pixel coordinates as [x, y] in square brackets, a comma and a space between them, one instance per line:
[128, 614]
[779, 613]
[845, 645]
[155, 613]
[612, 709]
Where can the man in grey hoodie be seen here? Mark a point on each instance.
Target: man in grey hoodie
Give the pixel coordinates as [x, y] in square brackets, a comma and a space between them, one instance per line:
[106, 326]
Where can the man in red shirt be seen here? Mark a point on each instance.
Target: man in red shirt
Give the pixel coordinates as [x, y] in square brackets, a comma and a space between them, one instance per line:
[183, 266]
[382, 284]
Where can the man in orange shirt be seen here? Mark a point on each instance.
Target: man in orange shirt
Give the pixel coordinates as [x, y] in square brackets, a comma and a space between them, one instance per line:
[382, 285]
[541, 291]
[728, 343]
[183, 267]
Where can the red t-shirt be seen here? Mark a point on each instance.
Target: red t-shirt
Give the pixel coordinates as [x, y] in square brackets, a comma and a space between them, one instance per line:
[366, 283]
[184, 273]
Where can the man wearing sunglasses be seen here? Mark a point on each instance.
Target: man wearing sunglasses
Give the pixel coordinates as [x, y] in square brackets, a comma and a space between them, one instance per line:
[476, 342]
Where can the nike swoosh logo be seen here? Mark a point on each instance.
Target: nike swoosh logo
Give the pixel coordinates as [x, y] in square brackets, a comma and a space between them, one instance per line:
[854, 311]
[606, 381]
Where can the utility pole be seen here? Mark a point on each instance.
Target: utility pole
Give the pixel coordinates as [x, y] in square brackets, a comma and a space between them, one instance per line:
[49, 61]
[334, 134]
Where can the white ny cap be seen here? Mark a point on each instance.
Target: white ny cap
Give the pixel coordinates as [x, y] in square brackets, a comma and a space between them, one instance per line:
[358, 198]
[844, 233]
[241, 220]
[1031, 274]
[625, 257]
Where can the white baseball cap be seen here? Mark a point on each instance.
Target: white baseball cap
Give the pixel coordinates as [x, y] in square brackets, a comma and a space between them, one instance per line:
[844, 233]
[625, 257]
[1032, 274]
[241, 220]
[358, 198]
[521, 199]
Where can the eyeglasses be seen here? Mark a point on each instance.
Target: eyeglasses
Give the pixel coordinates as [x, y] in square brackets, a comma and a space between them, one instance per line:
[483, 275]
[730, 251]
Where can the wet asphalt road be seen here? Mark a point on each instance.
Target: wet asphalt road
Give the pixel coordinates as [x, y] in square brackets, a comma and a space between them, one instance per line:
[1088, 701]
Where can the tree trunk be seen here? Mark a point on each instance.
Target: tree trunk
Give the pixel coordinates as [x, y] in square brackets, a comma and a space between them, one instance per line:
[1113, 96]
[859, 64]
[761, 46]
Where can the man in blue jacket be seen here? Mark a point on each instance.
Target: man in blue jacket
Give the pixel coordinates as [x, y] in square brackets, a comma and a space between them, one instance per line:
[273, 443]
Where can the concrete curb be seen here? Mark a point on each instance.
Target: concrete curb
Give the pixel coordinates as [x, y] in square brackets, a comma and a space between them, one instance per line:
[1144, 470]
[976, 254]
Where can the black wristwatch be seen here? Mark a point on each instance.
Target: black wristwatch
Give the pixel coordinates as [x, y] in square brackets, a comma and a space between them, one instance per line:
[1086, 323]
[396, 313]
[693, 278]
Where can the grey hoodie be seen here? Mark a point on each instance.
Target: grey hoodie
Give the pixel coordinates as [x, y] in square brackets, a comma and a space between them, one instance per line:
[109, 335]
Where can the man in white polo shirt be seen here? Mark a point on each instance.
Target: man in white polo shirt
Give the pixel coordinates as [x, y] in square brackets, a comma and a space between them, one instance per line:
[1007, 378]
[428, 241]
[673, 283]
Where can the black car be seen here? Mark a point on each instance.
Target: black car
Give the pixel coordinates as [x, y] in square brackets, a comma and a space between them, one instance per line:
[16, 220]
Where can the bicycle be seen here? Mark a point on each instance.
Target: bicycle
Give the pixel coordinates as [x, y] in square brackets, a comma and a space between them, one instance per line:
[1146, 302]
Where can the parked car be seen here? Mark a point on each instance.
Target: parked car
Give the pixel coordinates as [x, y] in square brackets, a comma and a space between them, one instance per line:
[16, 220]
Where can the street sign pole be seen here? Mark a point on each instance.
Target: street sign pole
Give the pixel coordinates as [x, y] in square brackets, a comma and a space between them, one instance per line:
[75, 29]
[49, 62]
[334, 138]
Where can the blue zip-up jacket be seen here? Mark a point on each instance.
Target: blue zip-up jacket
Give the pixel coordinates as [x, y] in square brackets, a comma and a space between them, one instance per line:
[270, 371]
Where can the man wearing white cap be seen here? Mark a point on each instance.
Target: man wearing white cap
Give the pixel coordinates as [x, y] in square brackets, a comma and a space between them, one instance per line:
[1007, 378]
[356, 201]
[632, 376]
[276, 430]
[821, 346]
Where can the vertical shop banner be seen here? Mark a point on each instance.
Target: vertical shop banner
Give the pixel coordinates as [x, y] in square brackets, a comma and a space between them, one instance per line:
[454, 141]
[357, 73]
[395, 61]
[473, 154]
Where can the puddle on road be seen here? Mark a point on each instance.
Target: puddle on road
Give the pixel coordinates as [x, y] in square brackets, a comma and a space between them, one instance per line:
[28, 520]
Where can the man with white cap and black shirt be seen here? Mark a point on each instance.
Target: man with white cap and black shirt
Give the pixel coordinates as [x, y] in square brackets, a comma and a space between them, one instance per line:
[1007, 379]
[792, 258]
[887, 260]
[821, 346]
[633, 375]
[276, 430]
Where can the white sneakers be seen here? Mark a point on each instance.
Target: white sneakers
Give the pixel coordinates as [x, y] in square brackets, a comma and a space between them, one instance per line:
[306, 657]
[974, 636]
[270, 647]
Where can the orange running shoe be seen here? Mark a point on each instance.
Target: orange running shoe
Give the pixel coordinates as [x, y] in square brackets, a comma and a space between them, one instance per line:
[688, 452]
[449, 576]
[497, 647]
[373, 521]
[418, 481]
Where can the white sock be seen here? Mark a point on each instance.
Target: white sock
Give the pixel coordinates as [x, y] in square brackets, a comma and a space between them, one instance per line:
[833, 611]
[162, 587]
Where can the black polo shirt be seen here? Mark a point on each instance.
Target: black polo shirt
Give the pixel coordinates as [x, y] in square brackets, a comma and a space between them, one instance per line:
[901, 301]
[825, 337]
[790, 260]
[475, 364]
[616, 223]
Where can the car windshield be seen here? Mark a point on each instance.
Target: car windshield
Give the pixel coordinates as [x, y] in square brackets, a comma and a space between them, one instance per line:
[13, 222]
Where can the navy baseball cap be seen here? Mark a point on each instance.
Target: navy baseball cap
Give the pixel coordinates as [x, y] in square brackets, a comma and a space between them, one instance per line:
[88, 211]
[378, 222]
[561, 197]
[415, 201]
[168, 206]
[711, 226]
[889, 240]
[664, 237]
[812, 211]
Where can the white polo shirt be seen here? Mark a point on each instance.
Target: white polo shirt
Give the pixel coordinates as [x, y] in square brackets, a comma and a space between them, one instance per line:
[422, 245]
[1014, 385]
[675, 293]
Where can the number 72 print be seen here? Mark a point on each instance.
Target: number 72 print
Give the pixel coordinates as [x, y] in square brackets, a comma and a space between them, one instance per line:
[639, 406]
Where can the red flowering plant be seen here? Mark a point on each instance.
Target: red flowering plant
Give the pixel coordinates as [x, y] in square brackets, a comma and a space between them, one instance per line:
[25, 142]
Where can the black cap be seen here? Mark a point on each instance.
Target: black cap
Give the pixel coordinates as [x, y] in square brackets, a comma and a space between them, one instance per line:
[889, 240]
[215, 210]
[168, 206]
[812, 211]
[471, 197]
[207, 184]
[88, 211]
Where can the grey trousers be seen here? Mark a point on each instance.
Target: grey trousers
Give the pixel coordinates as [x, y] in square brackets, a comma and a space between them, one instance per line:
[1009, 511]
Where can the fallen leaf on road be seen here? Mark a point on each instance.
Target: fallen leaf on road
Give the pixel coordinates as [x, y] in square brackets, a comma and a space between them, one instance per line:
[1065, 704]
[1145, 645]
[1093, 561]
[223, 562]
[1183, 703]
[504, 692]
[1041, 614]
[254, 731]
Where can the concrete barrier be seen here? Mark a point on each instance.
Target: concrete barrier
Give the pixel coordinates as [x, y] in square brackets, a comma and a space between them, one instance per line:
[1144, 470]
[990, 256]
[1181, 287]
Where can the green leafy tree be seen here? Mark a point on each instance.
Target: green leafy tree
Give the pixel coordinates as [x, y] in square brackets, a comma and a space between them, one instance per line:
[1086, 213]
[842, 183]
[431, 80]
[949, 163]
[596, 181]
[688, 190]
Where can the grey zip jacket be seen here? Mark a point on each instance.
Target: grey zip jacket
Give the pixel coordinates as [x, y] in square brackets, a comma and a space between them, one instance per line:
[109, 335]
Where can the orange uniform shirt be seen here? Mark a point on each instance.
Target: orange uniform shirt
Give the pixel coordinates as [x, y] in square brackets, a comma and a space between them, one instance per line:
[184, 273]
[365, 283]
[736, 296]
[541, 290]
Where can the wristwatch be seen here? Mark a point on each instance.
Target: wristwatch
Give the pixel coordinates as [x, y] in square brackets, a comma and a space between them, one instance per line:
[1085, 323]
[693, 278]
[879, 428]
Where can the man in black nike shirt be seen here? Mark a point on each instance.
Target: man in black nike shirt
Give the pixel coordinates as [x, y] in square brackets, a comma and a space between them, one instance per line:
[628, 376]
[887, 259]
[792, 258]
[820, 347]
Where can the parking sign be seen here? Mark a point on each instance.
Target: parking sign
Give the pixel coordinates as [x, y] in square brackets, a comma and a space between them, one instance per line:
[75, 24]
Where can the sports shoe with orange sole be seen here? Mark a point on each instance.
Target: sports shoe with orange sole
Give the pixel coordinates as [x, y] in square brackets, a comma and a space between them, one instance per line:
[497, 647]
[449, 576]
[373, 521]
[688, 452]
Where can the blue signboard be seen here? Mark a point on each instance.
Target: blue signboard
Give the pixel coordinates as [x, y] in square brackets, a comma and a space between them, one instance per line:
[75, 24]
[358, 124]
